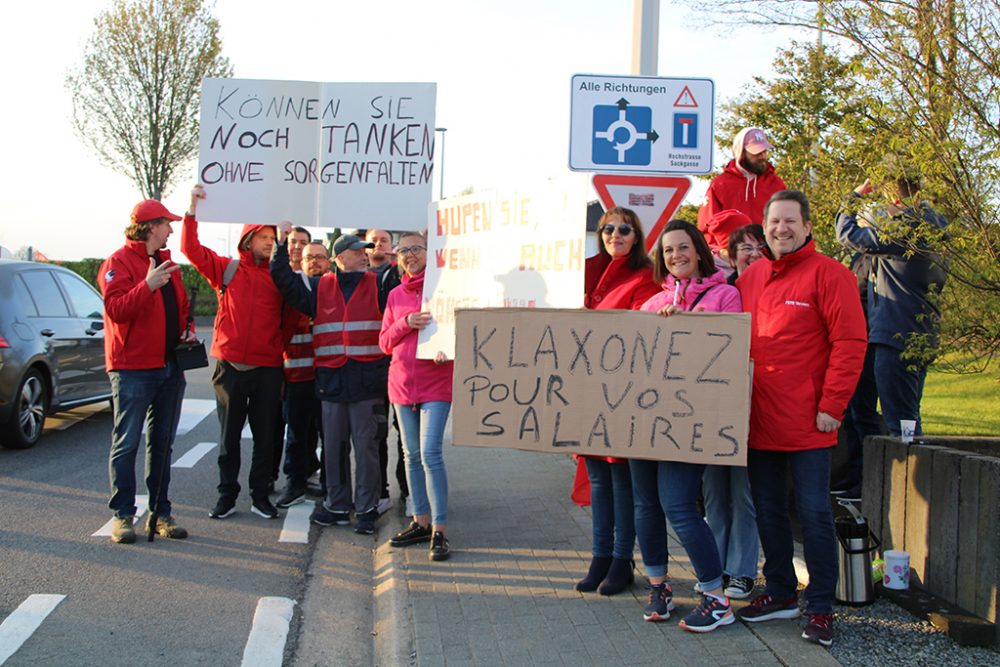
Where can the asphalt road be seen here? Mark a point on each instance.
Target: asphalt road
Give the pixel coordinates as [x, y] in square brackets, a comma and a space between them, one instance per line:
[170, 602]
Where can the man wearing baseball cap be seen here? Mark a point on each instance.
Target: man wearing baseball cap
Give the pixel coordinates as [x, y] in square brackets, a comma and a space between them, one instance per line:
[351, 373]
[747, 182]
[145, 317]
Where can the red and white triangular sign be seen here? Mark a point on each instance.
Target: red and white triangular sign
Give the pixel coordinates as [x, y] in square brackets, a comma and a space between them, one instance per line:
[654, 199]
[686, 99]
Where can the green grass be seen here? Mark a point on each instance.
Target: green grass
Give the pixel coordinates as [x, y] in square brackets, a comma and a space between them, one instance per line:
[962, 404]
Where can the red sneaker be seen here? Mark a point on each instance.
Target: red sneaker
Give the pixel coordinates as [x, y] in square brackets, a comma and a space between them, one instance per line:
[819, 629]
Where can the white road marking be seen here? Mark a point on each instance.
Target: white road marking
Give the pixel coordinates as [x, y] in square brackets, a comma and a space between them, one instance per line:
[266, 643]
[141, 505]
[23, 622]
[194, 455]
[193, 410]
[296, 526]
[246, 434]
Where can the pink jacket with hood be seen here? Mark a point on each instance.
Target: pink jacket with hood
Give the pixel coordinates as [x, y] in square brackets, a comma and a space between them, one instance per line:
[720, 296]
[411, 380]
[739, 189]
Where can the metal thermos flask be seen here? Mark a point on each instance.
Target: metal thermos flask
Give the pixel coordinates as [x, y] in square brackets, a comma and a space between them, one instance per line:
[857, 545]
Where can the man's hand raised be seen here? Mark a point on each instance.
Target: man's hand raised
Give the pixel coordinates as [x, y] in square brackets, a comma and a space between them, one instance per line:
[158, 276]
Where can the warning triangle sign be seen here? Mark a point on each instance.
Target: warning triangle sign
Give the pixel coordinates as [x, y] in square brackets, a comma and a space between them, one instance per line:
[654, 199]
[686, 99]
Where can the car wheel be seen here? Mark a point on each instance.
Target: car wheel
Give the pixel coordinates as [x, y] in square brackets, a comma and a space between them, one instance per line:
[25, 425]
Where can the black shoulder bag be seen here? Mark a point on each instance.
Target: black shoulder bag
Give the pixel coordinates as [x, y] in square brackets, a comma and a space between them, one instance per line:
[191, 355]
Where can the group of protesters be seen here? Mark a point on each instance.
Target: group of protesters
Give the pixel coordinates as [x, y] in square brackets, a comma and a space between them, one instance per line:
[327, 347]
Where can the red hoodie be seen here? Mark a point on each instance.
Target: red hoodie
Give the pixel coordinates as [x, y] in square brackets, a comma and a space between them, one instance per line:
[134, 326]
[411, 380]
[738, 189]
[807, 341]
[248, 324]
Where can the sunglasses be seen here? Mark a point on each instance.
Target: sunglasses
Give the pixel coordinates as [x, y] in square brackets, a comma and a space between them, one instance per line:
[624, 229]
[410, 250]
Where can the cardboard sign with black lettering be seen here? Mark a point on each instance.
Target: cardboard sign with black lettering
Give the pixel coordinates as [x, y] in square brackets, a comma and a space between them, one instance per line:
[604, 382]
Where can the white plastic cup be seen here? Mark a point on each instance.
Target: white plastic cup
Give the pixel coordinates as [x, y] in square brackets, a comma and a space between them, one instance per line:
[907, 427]
[896, 574]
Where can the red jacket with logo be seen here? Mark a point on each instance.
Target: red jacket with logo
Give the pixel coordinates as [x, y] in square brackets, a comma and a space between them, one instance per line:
[807, 342]
[134, 326]
[248, 324]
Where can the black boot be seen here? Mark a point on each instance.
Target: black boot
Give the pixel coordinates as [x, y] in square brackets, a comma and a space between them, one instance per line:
[598, 569]
[620, 576]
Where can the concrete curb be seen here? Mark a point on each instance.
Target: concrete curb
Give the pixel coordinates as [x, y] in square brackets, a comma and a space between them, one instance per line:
[393, 615]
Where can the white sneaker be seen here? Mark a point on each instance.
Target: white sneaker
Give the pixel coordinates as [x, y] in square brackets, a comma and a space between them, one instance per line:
[384, 505]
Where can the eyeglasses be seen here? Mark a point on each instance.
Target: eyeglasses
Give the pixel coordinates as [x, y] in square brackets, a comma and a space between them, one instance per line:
[410, 250]
[750, 249]
[624, 229]
[313, 258]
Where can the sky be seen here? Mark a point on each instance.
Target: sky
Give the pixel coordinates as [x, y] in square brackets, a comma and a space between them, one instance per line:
[502, 69]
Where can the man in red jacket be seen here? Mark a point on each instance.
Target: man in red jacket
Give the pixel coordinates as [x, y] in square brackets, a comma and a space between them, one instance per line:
[807, 342]
[145, 317]
[747, 182]
[248, 344]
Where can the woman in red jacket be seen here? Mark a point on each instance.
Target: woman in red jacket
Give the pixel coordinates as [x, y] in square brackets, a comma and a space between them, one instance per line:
[620, 275]
[420, 392]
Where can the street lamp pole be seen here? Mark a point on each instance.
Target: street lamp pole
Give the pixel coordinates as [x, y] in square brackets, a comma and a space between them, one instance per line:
[442, 130]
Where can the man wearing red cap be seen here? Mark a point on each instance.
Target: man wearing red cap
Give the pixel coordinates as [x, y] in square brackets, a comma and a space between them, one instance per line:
[747, 182]
[145, 317]
[248, 344]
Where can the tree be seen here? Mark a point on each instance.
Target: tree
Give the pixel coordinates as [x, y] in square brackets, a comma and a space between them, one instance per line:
[918, 92]
[137, 94]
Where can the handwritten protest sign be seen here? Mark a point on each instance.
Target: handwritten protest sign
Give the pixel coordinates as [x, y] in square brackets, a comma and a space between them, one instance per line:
[503, 249]
[604, 382]
[318, 154]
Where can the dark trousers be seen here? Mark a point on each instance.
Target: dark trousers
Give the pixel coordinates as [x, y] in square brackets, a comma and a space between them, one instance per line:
[862, 418]
[810, 470]
[900, 387]
[241, 395]
[302, 414]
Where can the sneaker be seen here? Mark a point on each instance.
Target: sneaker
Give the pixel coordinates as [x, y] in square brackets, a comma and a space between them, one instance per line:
[739, 588]
[122, 531]
[412, 535]
[698, 589]
[324, 517]
[263, 507]
[707, 616]
[852, 494]
[225, 507]
[365, 523]
[290, 497]
[819, 629]
[439, 547]
[767, 608]
[384, 505]
[661, 603]
[166, 527]
[315, 490]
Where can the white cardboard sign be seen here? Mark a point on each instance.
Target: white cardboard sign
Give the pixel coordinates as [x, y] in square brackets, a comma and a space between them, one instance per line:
[318, 154]
[523, 249]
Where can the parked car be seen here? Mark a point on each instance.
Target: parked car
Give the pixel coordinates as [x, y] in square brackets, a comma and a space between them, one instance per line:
[51, 347]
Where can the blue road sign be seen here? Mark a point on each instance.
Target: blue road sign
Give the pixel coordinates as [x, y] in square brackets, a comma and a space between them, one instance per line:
[622, 134]
[685, 130]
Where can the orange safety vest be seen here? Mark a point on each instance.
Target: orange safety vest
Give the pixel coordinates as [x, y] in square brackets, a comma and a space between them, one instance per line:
[346, 331]
[299, 352]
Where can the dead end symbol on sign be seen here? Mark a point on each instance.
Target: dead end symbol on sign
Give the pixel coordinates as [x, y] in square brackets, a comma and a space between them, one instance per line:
[686, 99]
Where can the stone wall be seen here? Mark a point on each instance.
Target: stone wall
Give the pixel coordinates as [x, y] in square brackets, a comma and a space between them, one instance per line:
[939, 500]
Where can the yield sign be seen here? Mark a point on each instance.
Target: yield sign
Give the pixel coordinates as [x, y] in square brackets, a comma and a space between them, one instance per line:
[654, 199]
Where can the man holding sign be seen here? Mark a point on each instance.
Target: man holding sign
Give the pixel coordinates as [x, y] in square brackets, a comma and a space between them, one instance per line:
[808, 342]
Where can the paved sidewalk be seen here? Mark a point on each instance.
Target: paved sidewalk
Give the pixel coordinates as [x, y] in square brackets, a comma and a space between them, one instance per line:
[506, 595]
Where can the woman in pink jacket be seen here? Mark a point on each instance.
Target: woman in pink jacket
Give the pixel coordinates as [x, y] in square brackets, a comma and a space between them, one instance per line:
[420, 392]
[683, 264]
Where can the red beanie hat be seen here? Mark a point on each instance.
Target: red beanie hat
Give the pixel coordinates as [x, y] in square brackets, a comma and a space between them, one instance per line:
[722, 224]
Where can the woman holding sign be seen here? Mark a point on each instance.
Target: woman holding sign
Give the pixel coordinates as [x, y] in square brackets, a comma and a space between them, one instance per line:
[683, 264]
[619, 276]
[420, 392]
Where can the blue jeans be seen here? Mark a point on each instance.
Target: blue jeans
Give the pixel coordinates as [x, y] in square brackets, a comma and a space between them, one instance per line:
[152, 397]
[730, 514]
[679, 489]
[899, 389]
[810, 470]
[422, 429]
[650, 521]
[611, 510]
